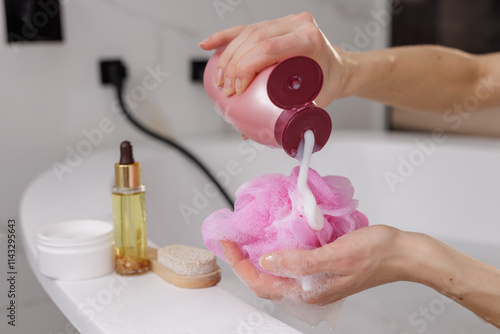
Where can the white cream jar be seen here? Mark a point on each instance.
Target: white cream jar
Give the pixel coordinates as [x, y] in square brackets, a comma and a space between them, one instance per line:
[76, 249]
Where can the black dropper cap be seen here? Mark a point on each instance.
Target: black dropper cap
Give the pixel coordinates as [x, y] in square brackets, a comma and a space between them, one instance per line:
[126, 154]
[127, 171]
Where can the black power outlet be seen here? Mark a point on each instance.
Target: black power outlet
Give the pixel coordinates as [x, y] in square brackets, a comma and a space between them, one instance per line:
[197, 69]
[33, 20]
[113, 72]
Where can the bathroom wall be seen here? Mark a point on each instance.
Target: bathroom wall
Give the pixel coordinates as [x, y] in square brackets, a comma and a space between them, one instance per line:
[51, 98]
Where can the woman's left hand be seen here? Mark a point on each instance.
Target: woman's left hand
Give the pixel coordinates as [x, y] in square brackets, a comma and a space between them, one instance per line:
[357, 261]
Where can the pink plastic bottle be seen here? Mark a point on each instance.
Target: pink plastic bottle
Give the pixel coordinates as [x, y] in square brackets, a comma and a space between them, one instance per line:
[277, 108]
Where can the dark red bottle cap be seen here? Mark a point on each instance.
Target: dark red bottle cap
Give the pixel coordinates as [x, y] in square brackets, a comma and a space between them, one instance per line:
[292, 124]
[295, 82]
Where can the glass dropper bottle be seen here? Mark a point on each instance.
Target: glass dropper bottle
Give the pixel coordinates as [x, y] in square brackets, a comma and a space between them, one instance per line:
[129, 215]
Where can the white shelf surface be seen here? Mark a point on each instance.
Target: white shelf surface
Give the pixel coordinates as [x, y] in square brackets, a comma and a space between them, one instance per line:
[116, 304]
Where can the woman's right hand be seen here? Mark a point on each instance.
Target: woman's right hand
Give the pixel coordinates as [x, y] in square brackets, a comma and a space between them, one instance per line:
[251, 48]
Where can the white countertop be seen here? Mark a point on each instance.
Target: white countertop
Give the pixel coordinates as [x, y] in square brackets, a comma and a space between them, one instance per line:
[452, 195]
[117, 304]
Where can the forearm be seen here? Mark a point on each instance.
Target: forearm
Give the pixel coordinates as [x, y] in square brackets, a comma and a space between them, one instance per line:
[427, 78]
[471, 283]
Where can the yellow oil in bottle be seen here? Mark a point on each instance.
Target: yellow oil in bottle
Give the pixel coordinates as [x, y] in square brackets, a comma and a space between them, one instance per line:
[129, 213]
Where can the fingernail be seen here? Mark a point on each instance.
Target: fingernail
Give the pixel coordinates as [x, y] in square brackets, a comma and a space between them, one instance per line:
[237, 86]
[227, 86]
[270, 262]
[203, 41]
[218, 76]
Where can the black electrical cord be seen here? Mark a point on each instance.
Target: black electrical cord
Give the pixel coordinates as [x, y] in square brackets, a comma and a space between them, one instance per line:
[184, 151]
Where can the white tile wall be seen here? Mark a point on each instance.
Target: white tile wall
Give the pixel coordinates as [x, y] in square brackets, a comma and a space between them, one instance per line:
[50, 93]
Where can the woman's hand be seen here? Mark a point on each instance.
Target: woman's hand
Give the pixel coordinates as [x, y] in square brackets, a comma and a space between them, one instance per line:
[251, 48]
[264, 285]
[357, 261]
[395, 76]
[373, 256]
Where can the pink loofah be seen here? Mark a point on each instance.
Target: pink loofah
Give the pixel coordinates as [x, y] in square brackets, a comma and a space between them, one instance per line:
[266, 217]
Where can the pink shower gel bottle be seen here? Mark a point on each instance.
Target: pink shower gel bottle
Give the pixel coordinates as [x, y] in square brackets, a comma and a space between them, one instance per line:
[277, 108]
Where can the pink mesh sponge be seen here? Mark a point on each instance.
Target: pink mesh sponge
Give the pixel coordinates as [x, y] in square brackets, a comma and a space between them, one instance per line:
[268, 217]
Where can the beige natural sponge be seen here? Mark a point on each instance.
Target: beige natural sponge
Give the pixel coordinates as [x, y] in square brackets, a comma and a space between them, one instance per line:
[185, 266]
[187, 260]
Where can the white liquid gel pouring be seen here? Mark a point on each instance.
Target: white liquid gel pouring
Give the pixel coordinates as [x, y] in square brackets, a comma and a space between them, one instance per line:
[310, 208]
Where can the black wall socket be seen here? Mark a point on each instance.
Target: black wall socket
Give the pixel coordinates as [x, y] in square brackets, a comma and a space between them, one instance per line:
[33, 20]
[197, 69]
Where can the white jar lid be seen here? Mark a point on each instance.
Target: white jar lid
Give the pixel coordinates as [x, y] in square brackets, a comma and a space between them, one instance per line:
[76, 249]
[75, 233]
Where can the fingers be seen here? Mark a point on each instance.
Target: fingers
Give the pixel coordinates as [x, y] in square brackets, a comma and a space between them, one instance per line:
[342, 287]
[264, 285]
[254, 47]
[272, 287]
[257, 47]
[245, 41]
[243, 70]
[221, 37]
[231, 252]
[348, 265]
[297, 262]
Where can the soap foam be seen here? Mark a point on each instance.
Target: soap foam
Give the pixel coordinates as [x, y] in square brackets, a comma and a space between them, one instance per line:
[311, 313]
[293, 301]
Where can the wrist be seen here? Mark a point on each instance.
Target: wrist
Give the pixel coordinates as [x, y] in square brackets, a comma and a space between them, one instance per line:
[393, 255]
[429, 262]
[397, 261]
[332, 61]
[349, 65]
[366, 72]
